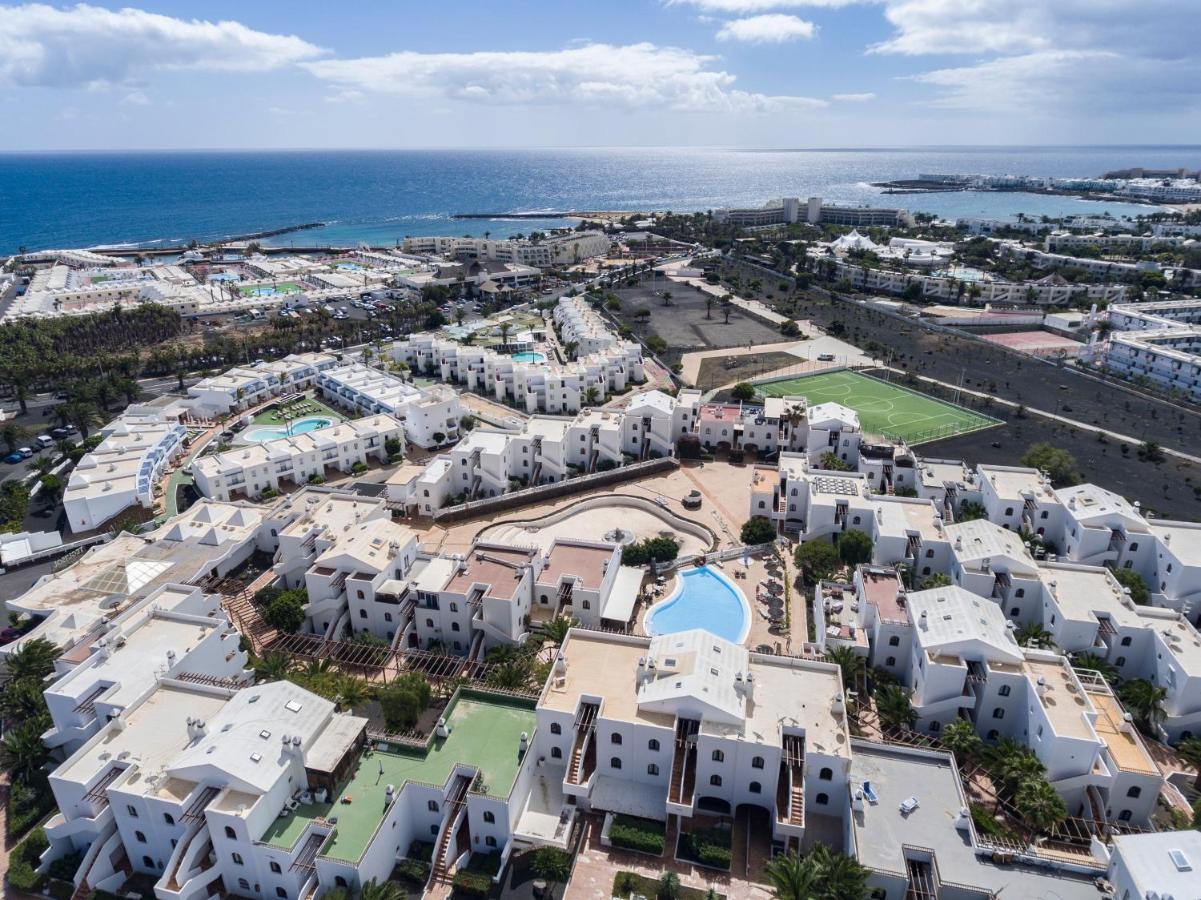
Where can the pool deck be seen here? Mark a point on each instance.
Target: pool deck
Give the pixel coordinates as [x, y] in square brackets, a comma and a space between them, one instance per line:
[485, 733]
[321, 411]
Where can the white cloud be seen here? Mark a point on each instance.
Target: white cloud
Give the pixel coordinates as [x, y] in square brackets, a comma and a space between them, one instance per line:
[81, 45]
[854, 98]
[635, 76]
[742, 7]
[136, 98]
[773, 28]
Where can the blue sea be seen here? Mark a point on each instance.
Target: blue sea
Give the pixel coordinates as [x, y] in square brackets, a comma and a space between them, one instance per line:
[379, 197]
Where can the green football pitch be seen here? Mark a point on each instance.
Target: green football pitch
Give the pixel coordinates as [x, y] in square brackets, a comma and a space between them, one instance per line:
[884, 409]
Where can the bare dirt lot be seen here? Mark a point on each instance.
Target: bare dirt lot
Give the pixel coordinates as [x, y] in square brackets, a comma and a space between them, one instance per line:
[683, 324]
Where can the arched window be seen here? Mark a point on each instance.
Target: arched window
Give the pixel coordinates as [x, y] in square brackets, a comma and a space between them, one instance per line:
[1004, 691]
[715, 780]
[1134, 792]
[148, 862]
[1126, 641]
[718, 756]
[823, 799]
[168, 818]
[556, 728]
[756, 787]
[432, 805]
[237, 858]
[489, 816]
[826, 774]
[615, 762]
[615, 738]
[281, 893]
[141, 837]
[1125, 815]
[652, 745]
[556, 753]
[229, 833]
[275, 867]
[757, 762]
[652, 769]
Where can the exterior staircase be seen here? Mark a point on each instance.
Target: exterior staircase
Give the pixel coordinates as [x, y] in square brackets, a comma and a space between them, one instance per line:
[583, 749]
[683, 765]
[440, 873]
[790, 794]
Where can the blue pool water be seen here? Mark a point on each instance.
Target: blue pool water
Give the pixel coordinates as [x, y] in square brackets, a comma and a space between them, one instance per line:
[528, 356]
[348, 267]
[300, 426]
[703, 598]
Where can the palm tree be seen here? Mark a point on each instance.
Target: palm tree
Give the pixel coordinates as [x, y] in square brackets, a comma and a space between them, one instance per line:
[849, 662]
[1032, 634]
[938, 579]
[42, 465]
[669, 886]
[14, 435]
[893, 707]
[1039, 804]
[1144, 700]
[1189, 750]
[841, 876]
[505, 328]
[1094, 663]
[791, 877]
[33, 660]
[22, 753]
[1011, 763]
[555, 630]
[272, 667]
[961, 739]
[351, 692]
[387, 890]
[510, 675]
[591, 395]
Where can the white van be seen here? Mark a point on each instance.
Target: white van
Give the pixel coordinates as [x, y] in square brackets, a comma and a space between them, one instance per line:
[44, 440]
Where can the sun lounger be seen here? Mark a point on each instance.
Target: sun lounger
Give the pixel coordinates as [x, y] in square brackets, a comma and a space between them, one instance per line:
[908, 805]
[870, 793]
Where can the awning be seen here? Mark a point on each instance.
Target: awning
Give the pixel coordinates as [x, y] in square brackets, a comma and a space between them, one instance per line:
[631, 798]
[624, 594]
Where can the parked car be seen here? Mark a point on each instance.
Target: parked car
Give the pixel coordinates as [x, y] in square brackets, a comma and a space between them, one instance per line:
[25, 452]
[14, 458]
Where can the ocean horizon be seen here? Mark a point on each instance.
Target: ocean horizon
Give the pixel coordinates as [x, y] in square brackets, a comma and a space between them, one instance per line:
[151, 198]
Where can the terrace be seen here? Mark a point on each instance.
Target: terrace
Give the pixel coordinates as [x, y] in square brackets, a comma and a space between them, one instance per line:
[485, 733]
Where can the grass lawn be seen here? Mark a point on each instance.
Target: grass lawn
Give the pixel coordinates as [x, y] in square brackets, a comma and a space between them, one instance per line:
[884, 409]
[313, 407]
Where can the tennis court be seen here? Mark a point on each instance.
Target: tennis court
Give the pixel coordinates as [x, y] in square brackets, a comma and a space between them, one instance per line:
[884, 409]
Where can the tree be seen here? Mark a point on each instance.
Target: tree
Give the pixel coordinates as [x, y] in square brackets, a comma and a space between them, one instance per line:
[1189, 750]
[757, 530]
[14, 435]
[555, 630]
[1144, 701]
[1011, 763]
[744, 391]
[351, 692]
[32, 660]
[1032, 634]
[385, 890]
[22, 753]
[1094, 663]
[669, 886]
[831, 463]
[969, 511]
[855, 547]
[850, 663]
[285, 611]
[1135, 583]
[961, 739]
[841, 877]
[791, 877]
[552, 864]
[272, 667]
[817, 560]
[404, 700]
[1056, 462]
[893, 707]
[1039, 804]
[937, 580]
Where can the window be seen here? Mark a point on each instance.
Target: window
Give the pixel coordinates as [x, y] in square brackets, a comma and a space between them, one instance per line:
[454, 626]
[1120, 661]
[1134, 547]
[237, 858]
[1009, 510]
[133, 813]
[756, 788]
[719, 756]
[280, 892]
[935, 726]
[556, 753]
[891, 661]
[652, 769]
[454, 607]
[362, 613]
[757, 762]
[556, 728]
[1134, 793]
[894, 641]
[998, 713]
[429, 623]
[387, 617]
[715, 780]
[615, 738]
[1126, 641]
[168, 818]
[229, 833]
[244, 884]
[930, 554]
[490, 841]
[1020, 592]
[822, 799]
[1125, 815]
[826, 774]
[1004, 691]
[993, 734]
[653, 745]
[141, 837]
[148, 862]
[432, 805]
[275, 867]
[489, 816]
[615, 762]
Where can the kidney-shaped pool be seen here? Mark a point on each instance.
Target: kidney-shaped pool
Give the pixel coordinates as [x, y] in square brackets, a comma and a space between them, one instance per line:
[703, 598]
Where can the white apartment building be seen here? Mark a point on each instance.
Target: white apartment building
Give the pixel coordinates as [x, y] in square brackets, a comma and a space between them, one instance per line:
[124, 468]
[690, 723]
[253, 468]
[1163, 864]
[245, 386]
[552, 250]
[578, 323]
[1158, 341]
[430, 416]
[1067, 240]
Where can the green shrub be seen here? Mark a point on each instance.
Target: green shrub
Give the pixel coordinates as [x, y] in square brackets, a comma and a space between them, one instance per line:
[708, 846]
[472, 884]
[659, 549]
[757, 530]
[65, 867]
[359, 468]
[414, 871]
[633, 833]
[316, 479]
[421, 850]
[23, 877]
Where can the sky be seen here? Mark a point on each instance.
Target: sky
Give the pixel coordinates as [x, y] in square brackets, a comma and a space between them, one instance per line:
[568, 73]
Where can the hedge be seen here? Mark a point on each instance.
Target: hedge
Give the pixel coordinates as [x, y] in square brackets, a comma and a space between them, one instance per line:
[707, 846]
[414, 871]
[22, 867]
[633, 833]
[27, 805]
[473, 884]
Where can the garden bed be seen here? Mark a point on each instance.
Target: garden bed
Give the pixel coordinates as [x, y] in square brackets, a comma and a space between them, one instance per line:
[640, 835]
[709, 847]
[626, 884]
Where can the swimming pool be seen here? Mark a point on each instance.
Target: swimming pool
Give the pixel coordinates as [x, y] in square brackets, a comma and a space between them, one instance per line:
[300, 426]
[703, 598]
[528, 356]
